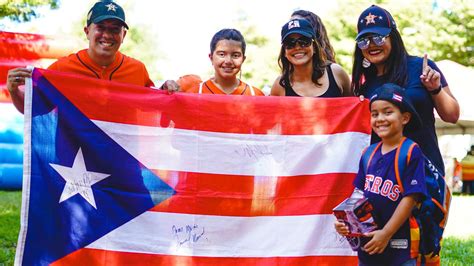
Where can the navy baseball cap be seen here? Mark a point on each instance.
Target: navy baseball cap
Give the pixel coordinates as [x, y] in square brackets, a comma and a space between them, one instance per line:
[395, 94]
[375, 20]
[300, 26]
[106, 10]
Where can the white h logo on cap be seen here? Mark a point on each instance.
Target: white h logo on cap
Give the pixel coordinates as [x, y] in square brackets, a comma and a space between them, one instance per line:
[293, 24]
[111, 7]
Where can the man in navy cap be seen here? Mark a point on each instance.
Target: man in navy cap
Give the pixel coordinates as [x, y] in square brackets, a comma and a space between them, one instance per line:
[105, 30]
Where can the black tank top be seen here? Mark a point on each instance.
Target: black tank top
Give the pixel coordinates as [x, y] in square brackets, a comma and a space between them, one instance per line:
[332, 91]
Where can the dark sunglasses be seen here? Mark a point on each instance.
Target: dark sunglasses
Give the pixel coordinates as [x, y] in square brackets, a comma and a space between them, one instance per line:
[363, 43]
[291, 43]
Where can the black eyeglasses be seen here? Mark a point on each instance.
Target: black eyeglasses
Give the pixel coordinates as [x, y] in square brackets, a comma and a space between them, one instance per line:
[363, 43]
[291, 43]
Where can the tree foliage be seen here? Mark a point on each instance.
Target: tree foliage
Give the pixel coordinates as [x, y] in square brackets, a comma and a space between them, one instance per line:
[461, 18]
[442, 29]
[140, 43]
[24, 10]
[260, 66]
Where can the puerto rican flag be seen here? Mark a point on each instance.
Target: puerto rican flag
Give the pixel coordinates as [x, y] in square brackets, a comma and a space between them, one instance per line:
[117, 174]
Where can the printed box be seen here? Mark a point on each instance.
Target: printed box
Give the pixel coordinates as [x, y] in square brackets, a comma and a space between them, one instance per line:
[357, 214]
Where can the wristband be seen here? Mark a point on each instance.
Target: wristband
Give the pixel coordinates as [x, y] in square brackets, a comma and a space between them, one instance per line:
[437, 91]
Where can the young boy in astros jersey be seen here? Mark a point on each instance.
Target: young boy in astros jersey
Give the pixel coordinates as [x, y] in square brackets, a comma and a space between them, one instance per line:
[227, 56]
[105, 30]
[391, 244]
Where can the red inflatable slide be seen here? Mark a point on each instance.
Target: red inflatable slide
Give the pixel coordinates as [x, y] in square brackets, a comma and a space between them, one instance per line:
[22, 49]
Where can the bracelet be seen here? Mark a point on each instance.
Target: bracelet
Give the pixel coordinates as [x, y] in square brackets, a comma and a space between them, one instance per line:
[437, 91]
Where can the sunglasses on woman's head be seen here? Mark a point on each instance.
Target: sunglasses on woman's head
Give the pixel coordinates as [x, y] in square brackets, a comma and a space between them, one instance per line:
[303, 42]
[363, 43]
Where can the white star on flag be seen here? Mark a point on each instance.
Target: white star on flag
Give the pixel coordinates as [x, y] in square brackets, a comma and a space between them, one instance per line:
[111, 7]
[78, 179]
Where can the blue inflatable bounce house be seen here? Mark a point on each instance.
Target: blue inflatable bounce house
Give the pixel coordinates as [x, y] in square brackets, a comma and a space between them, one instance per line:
[11, 147]
[20, 50]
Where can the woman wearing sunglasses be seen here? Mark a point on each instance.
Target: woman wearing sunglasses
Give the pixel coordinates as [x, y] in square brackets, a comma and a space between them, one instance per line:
[305, 69]
[319, 31]
[380, 57]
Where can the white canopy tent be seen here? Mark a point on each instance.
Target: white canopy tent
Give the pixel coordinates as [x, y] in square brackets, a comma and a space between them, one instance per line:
[455, 139]
[461, 83]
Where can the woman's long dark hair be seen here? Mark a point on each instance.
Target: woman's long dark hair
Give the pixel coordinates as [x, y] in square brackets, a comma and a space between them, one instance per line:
[320, 32]
[287, 69]
[395, 66]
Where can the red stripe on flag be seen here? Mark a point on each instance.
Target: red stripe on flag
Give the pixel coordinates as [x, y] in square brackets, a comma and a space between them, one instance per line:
[103, 257]
[245, 114]
[228, 195]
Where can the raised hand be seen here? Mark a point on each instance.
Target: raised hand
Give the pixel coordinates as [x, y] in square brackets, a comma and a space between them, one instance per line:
[430, 78]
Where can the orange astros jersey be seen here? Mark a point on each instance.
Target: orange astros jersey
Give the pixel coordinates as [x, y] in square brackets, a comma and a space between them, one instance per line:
[208, 87]
[124, 69]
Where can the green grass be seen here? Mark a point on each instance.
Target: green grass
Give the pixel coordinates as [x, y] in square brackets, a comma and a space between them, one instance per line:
[10, 205]
[458, 251]
[455, 251]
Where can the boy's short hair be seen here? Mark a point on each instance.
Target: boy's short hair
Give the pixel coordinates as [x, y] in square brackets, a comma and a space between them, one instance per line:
[396, 95]
[228, 34]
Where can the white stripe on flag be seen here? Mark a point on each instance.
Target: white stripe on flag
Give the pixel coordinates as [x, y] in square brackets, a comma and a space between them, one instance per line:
[239, 154]
[397, 97]
[227, 236]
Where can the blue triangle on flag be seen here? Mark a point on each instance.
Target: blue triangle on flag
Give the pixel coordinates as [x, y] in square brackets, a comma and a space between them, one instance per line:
[55, 228]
